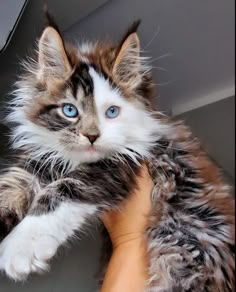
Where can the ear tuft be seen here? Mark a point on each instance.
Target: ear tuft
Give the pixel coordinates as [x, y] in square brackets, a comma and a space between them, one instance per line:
[49, 19]
[52, 58]
[132, 29]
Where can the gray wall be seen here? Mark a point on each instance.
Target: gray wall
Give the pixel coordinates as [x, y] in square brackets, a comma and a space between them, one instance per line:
[214, 124]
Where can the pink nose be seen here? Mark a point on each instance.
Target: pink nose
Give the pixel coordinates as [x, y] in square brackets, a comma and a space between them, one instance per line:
[92, 138]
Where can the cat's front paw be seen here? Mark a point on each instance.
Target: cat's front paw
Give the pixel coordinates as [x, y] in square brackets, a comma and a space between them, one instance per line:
[8, 220]
[26, 250]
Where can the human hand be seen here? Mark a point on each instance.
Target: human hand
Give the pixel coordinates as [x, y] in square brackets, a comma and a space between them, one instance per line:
[127, 269]
[129, 222]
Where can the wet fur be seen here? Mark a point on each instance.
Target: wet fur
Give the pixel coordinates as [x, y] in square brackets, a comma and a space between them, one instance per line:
[190, 234]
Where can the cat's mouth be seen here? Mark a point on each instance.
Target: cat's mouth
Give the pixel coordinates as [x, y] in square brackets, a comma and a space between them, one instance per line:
[92, 149]
[86, 148]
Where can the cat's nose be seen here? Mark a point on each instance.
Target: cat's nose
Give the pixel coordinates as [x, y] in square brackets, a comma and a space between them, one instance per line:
[92, 138]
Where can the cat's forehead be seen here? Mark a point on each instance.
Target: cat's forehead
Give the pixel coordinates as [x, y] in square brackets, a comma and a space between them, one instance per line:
[90, 87]
[81, 81]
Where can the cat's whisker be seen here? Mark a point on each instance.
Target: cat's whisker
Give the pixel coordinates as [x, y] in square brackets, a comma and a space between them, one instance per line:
[161, 57]
[159, 68]
[155, 35]
[164, 83]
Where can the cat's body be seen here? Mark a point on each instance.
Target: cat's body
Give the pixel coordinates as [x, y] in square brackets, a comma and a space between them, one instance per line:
[75, 167]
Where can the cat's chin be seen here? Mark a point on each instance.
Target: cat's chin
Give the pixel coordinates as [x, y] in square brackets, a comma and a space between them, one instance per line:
[92, 150]
[87, 155]
[92, 155]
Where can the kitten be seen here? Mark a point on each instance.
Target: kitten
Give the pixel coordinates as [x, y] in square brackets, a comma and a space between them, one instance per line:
[84, 123]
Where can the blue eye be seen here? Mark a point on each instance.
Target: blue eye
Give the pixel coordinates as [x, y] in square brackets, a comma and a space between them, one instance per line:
[112, 112]
[69, 110]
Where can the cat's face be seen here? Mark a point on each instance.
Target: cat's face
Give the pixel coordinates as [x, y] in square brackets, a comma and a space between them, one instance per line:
[85, 104]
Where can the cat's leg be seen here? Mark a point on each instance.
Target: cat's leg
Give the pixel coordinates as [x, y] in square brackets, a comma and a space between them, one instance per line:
[16, 191]
[36, 238]
[54, 217]
[59, 211]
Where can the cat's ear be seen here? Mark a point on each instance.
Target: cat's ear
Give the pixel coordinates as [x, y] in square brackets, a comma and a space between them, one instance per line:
[128, 61]
[52, 58]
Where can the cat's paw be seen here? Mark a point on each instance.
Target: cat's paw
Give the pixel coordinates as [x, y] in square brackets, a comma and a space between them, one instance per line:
[26, 250]
[8, 220]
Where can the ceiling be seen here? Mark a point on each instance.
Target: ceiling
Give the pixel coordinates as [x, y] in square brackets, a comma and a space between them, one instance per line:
[10, 13]
[191, 43]
[30, 27]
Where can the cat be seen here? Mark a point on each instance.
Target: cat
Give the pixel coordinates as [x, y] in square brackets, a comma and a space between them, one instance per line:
[84, 123]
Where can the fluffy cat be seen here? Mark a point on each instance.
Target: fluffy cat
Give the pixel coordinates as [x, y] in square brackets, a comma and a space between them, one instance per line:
[83, 123]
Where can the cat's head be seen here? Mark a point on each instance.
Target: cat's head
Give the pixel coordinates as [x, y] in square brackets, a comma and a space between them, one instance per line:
[85, 103]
